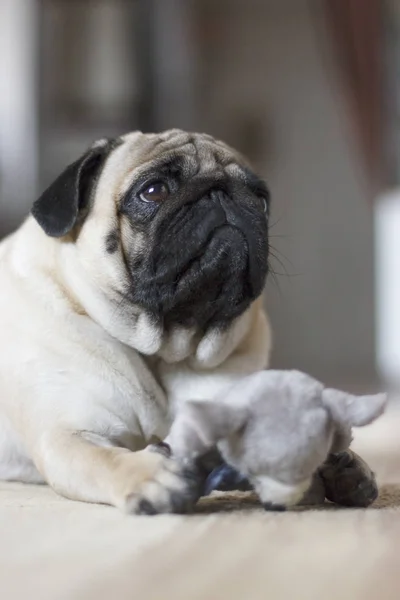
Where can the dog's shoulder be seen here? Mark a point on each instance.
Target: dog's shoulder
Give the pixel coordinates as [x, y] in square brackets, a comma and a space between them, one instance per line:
[38, 314]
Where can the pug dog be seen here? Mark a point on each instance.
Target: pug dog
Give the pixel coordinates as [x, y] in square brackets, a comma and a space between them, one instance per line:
[134, 284]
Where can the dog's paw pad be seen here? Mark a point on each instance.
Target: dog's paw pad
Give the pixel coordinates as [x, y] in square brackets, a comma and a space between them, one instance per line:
[172, 490]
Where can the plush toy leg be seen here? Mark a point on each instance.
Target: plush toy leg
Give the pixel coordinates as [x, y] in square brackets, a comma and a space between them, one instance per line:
[348, 480]
[225, 478]
[345, 479]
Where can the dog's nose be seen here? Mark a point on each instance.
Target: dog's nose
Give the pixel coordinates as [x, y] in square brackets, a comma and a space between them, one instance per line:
[221, 200]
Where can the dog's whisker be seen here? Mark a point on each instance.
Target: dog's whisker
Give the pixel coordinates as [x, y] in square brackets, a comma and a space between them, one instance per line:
[275, 249]
[272, 251]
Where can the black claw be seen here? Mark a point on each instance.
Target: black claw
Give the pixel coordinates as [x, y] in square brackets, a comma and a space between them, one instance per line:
[180, 503]
[161, 448]
[146, 508]
[194, 480]
[191, 475]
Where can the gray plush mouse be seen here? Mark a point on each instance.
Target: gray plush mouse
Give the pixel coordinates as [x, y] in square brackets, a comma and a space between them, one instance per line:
[284, 433]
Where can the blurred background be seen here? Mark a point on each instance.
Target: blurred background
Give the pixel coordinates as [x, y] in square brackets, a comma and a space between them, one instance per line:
[307, 89]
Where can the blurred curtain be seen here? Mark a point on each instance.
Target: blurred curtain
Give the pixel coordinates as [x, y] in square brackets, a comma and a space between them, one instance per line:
[357, 27]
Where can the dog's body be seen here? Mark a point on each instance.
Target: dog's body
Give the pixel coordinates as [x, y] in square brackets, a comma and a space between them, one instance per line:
[103, 331]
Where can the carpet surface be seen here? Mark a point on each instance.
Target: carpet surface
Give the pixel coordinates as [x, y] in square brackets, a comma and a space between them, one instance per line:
[52, 548]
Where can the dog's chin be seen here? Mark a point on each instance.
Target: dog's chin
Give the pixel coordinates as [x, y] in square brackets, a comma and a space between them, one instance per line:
[207, 288]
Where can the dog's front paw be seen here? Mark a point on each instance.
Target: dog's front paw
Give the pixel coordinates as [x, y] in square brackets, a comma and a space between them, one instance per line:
[169, 488]
[348, 480]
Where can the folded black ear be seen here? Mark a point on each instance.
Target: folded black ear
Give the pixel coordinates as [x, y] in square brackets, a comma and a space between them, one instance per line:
[66, 200]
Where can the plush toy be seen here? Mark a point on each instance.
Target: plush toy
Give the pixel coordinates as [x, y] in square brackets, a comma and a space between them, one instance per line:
[283, 434]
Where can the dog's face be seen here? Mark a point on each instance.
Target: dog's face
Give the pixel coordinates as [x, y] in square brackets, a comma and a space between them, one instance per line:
[178, 221]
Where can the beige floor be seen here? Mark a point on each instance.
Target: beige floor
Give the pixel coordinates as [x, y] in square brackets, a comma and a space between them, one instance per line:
[51, 548]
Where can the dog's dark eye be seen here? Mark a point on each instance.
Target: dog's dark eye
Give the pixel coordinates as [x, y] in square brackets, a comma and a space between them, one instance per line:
[264, 204]
[155, 192]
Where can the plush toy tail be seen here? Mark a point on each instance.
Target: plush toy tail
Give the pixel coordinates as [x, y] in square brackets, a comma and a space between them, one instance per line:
[354, 411]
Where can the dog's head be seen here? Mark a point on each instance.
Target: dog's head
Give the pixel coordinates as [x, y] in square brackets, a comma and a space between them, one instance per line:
[177, 220]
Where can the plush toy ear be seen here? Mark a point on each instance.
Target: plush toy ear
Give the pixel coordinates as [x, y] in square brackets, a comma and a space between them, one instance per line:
[60, 206]
[199, 425]
[354, 411]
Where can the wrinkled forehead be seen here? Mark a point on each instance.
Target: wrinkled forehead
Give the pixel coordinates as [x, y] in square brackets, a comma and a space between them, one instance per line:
[190, 154]
[196, 151]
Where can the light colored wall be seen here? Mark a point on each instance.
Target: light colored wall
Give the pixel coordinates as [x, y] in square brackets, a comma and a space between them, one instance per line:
[278, 62]
[18, 117]
[387, 218]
